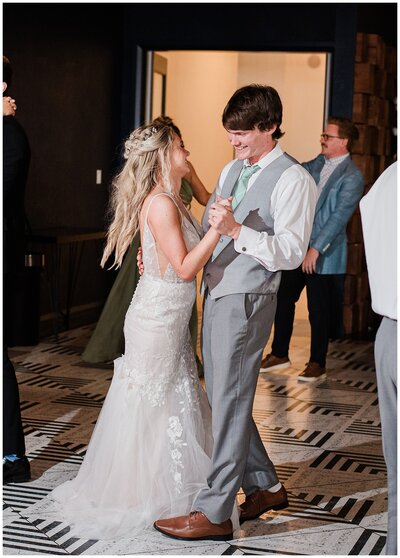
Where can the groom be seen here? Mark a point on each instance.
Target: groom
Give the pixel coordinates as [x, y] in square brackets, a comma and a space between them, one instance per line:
[269, 229]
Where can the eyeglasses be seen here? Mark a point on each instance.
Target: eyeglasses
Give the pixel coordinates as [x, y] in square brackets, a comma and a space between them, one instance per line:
[325, 137]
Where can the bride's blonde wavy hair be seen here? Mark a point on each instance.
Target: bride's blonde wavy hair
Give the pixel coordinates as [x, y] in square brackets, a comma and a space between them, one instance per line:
[147, 153]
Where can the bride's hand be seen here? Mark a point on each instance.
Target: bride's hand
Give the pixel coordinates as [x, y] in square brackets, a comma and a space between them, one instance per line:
[139, 260]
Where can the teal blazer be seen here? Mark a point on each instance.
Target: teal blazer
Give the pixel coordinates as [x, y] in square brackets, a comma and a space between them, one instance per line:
[335, 206]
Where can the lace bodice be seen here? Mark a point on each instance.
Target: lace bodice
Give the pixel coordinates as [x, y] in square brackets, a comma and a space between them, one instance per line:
[191, 233]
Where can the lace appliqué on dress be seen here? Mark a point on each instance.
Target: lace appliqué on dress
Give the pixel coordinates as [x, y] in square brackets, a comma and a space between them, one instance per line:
[187, 386]
[174, 432]
[154, 392]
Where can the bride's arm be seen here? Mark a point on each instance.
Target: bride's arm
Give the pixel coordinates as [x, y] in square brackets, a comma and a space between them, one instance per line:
[165, 224]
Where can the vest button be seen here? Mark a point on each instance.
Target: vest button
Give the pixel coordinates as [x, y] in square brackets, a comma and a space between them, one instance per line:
[244, 248]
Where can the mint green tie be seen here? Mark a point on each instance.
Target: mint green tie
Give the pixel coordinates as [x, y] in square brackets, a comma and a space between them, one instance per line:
[241, 185]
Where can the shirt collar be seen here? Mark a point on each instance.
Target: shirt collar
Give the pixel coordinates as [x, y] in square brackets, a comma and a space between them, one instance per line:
[268, 158]
[336, 160]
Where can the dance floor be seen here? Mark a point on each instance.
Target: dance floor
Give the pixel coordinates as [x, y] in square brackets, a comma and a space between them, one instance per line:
[324, 438]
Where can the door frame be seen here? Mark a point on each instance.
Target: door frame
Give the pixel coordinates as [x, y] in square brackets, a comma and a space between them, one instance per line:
[144, 72]
[155, 64]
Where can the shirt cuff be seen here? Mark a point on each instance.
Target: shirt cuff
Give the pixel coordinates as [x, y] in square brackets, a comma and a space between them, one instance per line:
[320, 249]
[246, 240]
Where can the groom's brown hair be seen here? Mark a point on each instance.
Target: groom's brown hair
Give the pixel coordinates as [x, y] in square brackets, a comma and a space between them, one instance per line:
[254, 106]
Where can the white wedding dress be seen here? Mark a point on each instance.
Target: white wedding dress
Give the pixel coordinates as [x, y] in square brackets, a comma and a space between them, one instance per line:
[149, 453]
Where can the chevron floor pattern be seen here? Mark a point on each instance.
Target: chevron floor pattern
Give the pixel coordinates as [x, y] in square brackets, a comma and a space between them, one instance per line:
[324, 439]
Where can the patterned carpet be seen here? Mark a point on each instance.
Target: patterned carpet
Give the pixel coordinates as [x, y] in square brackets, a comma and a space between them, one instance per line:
[324, 439]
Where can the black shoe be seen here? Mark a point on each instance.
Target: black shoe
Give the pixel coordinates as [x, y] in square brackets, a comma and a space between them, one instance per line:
[16, 471]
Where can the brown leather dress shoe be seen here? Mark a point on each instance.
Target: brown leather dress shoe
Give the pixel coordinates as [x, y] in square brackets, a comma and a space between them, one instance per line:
[272, 362]
[262, 501]
[195, 527]
[312, 373]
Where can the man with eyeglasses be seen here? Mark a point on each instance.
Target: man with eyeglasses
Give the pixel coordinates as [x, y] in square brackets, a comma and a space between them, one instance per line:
[340, 186]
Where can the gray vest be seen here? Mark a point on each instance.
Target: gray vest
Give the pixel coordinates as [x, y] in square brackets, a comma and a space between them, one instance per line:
[231, 272]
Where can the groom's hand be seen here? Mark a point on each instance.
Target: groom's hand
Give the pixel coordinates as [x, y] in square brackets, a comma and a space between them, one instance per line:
[221, 218]
[225, 202]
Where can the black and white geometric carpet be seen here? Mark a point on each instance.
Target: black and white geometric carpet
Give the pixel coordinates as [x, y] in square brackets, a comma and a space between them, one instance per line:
[324, 438]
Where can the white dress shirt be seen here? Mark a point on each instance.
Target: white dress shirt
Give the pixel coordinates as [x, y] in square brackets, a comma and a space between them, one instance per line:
[292, 207]
[379, 222]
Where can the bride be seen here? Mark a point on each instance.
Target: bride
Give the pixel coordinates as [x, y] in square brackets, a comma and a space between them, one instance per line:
[150, 450]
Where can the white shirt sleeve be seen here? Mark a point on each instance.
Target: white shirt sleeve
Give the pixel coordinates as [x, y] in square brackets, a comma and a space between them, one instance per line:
[292, 208]
[379, 222]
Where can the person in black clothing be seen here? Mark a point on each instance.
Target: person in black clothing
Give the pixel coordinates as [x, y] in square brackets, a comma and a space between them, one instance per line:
[16, 157]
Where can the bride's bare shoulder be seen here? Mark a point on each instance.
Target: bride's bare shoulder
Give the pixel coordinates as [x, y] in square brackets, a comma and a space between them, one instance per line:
[160, 201]
[159, 205]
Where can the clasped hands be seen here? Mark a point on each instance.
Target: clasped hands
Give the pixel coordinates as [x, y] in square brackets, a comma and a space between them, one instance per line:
[9, 106]
[220, 217]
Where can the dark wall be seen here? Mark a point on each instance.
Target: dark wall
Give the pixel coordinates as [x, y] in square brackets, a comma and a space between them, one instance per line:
[379, 19]
[67, 83]
[79, 78]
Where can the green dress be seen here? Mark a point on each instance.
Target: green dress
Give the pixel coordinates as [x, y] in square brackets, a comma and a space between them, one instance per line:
[107, 342]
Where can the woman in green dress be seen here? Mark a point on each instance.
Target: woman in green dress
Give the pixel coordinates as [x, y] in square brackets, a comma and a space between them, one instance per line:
[107, 341]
